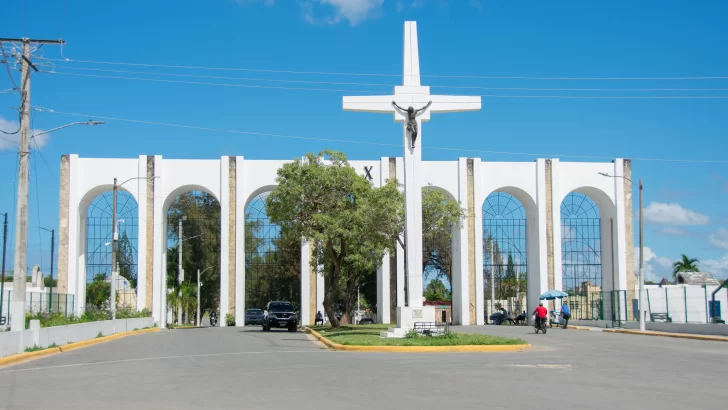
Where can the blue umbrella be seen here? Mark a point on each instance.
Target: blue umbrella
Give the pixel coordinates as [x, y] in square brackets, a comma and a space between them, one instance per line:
[553, 294]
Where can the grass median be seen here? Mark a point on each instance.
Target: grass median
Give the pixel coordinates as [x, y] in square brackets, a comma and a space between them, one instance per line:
[368, 335]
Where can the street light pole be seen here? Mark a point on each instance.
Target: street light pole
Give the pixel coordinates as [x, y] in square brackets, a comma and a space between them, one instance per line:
[53, 245]
[181, 274]
[199, 319]
[642, 268]
[2, 274]
[640, 298]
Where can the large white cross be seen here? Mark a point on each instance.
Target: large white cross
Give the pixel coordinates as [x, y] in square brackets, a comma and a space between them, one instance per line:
[411, 93]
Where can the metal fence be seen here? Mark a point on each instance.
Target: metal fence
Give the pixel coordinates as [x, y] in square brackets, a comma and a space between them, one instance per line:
[42, 302]
[685, 304]
[614, 306]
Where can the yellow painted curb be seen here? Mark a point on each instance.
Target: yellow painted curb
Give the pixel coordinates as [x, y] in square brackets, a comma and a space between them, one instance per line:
[77, 345]
[673, 335]
[417, 349]
[22, 357]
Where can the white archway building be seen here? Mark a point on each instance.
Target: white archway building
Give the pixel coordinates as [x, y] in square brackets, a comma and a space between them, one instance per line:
[540, 186]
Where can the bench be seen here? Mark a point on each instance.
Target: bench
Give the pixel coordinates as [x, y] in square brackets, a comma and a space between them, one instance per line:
[660, 316]
[431, 328]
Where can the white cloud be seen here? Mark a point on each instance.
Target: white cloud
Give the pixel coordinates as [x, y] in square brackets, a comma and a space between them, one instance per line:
[672, 231]
[673, 214]
[719, 238]
[477, 4]
[353, 11]
[11, 142]
[718, 267]
[656, 267]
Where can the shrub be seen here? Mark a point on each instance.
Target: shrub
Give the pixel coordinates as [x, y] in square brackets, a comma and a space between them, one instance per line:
[229, 319]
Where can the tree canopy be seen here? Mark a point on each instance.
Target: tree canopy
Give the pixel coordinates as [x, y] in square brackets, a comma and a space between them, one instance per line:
[440, 214]
[684, 264]
[436, 291]
[349, 222]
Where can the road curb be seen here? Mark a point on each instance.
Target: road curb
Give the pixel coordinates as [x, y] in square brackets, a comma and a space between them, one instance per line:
[416, 349]
[665, 334]
[23, 357]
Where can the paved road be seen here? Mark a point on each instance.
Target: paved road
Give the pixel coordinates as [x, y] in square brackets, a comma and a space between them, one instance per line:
[221, 368]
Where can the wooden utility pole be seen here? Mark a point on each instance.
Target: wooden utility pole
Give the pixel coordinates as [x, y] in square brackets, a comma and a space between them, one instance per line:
[20, 269]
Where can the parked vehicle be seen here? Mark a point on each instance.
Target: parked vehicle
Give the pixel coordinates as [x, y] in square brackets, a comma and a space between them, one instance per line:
[254, 317]
[280, 314]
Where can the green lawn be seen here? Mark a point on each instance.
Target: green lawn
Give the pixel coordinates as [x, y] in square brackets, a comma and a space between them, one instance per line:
[368, 335]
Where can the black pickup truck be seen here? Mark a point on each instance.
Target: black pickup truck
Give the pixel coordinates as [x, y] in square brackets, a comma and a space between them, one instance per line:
[280, 314]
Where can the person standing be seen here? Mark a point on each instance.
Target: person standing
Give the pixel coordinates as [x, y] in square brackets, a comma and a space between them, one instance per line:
[566, 312]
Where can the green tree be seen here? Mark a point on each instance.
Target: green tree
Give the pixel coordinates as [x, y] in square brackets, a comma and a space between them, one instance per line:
[684, 264]
[202, 248]
[436, 291]
[349, 222]
[440, 214]
[125, 259]
[98, 292]
[47, 282]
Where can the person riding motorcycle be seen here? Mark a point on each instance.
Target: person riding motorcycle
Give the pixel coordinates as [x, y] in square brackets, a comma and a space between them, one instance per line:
[541, 314]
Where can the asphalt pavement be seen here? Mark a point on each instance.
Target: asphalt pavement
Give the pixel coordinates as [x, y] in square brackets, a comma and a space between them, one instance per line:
[224, 368]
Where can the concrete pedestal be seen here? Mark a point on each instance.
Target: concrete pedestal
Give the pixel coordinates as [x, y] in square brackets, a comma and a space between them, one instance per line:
[407, 316]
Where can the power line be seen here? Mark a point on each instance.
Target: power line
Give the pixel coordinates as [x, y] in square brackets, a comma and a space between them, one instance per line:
[396, 75]
[538, 155]
[597, 97]
[217, 84]
[389, 85]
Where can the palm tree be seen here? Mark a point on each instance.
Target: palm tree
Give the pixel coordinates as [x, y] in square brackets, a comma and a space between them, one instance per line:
[684, 265]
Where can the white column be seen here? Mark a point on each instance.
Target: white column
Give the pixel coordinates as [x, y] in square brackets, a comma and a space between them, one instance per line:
[74, 231]
[240, 241]
[620, 229]
[80, 298]
[224, 238]
[413, 216]
[537, 243]
[399, 164]
[383, 312]
[556, 198]
[141, 289]
[159, 275]
[383, 272]
[305, 282]
[460, 268]
[479, 197]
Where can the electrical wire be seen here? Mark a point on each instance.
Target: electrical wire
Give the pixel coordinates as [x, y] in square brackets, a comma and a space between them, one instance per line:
[600, 97]
[675, 78]
[389, 85]
[538, 155]
[217, 84]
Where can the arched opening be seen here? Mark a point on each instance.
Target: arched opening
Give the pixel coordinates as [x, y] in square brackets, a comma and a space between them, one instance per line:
[438, 232]
[505, 258]
[581, 256]
[98, 250]
[196, 214]
[272, 259]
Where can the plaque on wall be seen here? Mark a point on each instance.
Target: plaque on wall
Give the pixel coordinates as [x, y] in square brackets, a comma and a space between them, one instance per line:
[416, 313]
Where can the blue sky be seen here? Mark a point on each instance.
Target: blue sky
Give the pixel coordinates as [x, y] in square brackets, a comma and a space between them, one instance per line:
[685, 211]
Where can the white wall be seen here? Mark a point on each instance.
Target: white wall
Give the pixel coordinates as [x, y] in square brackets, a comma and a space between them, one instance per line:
[10, 342]
[672, 299]
[525, 180]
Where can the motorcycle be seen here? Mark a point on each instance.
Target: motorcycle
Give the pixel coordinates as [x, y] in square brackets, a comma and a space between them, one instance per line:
[213, 318]
[539, 325]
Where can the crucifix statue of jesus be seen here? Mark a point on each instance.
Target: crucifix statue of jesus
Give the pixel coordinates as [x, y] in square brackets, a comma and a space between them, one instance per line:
[412, 94]
[412, 115]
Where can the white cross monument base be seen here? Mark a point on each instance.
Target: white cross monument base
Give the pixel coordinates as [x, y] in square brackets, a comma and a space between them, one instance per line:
[412, 94]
